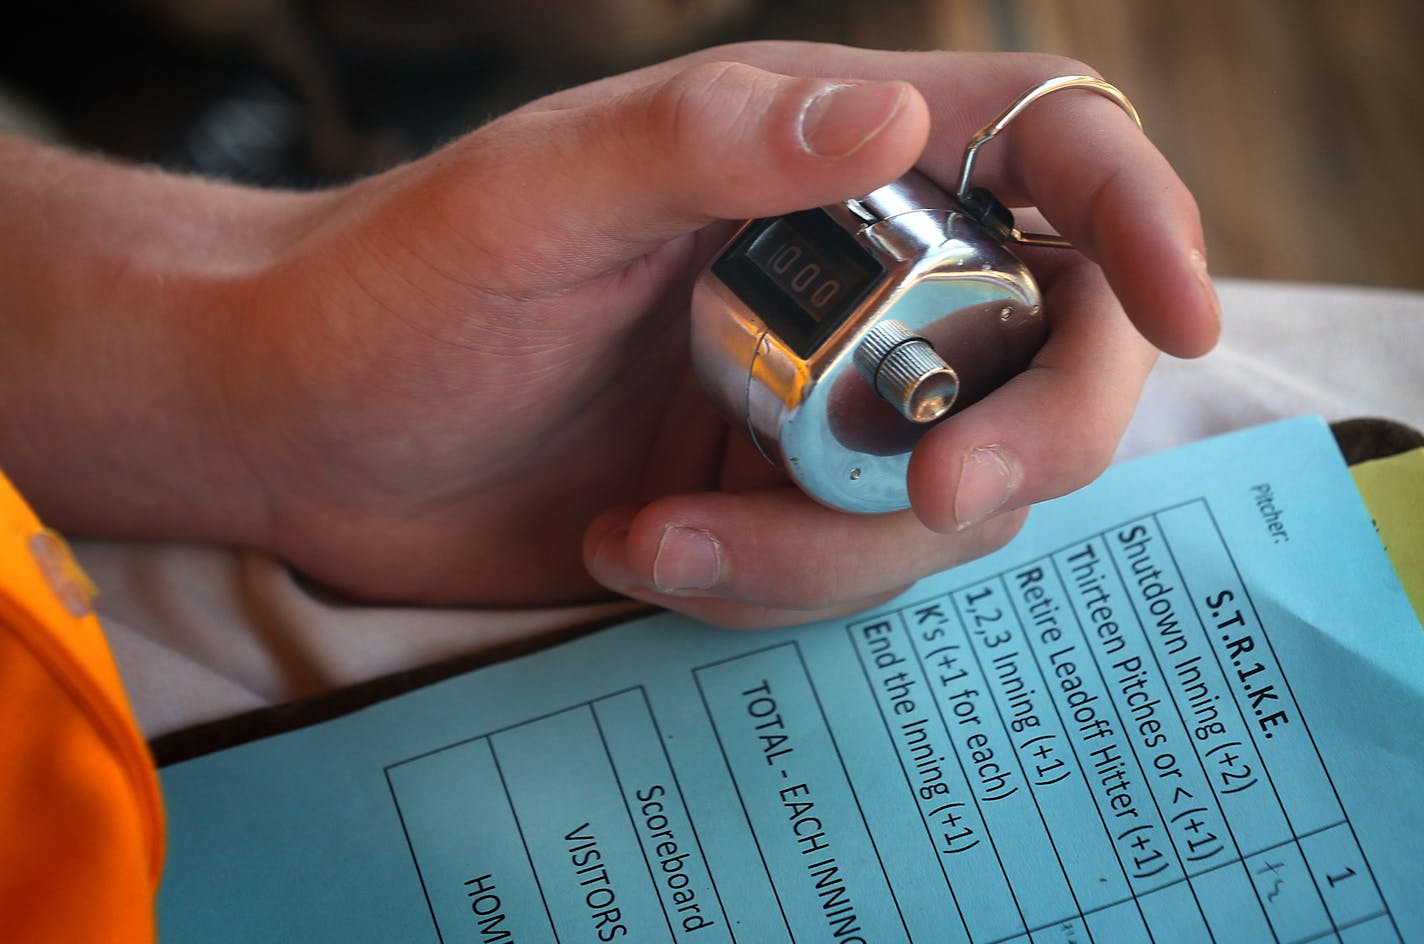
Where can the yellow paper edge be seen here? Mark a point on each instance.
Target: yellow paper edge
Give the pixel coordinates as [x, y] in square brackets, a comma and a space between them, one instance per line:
[1393, 490]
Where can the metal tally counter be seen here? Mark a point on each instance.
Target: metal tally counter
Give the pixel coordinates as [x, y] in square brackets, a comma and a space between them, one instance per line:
[835, 337]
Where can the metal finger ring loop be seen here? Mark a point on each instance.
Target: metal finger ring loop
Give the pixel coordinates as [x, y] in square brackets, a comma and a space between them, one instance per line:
[987, 133]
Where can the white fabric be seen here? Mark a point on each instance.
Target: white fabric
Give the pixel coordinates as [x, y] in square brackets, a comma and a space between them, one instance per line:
[205, 633]
[1288, 350]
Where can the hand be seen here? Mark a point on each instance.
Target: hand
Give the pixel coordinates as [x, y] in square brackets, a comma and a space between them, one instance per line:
[467, 380]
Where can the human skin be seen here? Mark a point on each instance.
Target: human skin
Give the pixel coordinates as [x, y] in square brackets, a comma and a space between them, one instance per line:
[466, 380]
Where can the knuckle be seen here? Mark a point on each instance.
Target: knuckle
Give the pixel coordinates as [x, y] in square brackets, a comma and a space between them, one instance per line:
[1092, 456]
[797, 588]
[809, 582]
[1105, 202]
[814, 590]
[1074, 450]
[699, 107]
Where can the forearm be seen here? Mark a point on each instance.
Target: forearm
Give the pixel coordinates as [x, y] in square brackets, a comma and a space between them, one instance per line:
[118, 287]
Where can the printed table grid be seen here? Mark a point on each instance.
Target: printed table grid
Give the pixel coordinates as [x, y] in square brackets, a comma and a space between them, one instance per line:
[587, 717]
[1126, 591]
[1095, 758]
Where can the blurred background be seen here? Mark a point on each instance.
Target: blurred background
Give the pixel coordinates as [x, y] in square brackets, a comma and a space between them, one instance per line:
[1297, 123]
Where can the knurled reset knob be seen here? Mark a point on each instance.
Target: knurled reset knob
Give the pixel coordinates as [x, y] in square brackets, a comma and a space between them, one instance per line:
[905, 370]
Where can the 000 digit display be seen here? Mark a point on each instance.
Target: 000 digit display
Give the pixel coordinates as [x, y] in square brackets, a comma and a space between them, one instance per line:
[801, 273]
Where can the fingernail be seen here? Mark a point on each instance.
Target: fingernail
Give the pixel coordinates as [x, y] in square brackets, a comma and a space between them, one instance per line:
[609, 565]
[987, 480]
[1198, 262]
[839, 119]
[688, 559]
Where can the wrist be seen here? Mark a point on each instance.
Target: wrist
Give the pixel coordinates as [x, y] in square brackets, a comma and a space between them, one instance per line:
[124, 289]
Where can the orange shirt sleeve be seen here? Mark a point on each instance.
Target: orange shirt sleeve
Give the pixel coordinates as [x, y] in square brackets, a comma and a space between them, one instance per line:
[79, 803]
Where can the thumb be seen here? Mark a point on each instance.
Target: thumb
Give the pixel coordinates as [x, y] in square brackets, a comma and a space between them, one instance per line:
[590, 188]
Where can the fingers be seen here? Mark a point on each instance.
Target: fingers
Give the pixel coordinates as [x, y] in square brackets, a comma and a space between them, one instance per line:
[1048, 431]
[1075, 154]
[586, 189]
[1103, 184]
[1098, 179]
[771, 557]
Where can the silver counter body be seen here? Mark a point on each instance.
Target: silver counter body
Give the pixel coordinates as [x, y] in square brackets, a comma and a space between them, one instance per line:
[817, 416]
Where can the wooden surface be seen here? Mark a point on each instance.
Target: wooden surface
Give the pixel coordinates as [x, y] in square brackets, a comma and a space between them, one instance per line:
[1298, 124]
